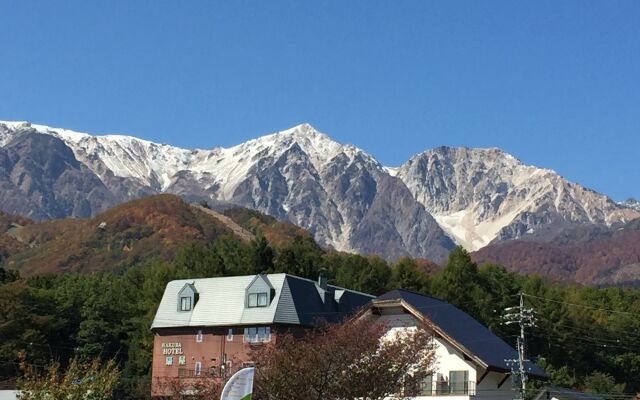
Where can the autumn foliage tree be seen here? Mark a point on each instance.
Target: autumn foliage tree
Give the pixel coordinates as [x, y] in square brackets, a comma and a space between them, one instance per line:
[200, 388]
[355, 359]
[90, 380]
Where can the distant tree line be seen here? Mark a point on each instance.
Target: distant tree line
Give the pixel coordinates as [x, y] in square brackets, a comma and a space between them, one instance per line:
[587, 338]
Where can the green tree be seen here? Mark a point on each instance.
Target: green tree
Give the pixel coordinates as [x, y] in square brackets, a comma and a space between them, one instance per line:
[458, 282]
[353, 271]
[234, 255]
[201, 261]
[301, 257]
[25, 326]
[8, 275]
[599, 382]
[262, 254]
[105, 318]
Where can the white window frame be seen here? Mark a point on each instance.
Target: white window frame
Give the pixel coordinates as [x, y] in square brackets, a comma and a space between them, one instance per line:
[182, 360]
[185, 303]
[454, 385]
[267, 334]
[257, 337]
[197, 369]
[199, 336]
[230, 335]
[252, 300]
[263, 299]
[168, 360]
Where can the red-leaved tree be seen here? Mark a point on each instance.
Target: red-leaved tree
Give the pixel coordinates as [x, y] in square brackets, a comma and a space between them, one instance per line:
[358, 359]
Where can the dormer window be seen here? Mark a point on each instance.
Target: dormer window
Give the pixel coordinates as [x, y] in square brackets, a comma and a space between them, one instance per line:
[259, 293]
[185, 303]
[258, 300]
[187, 297]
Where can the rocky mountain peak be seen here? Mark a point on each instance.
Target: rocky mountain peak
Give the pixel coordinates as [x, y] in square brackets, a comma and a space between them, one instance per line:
[631, 203]
[482, 195]
[318, 146]
[341, 194]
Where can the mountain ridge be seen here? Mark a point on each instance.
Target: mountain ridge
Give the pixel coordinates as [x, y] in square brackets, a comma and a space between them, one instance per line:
[345, 197]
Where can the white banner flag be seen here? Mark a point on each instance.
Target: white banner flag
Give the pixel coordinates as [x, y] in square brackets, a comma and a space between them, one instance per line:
[239, 386]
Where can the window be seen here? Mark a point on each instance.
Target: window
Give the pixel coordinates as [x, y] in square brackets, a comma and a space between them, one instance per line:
[459, 382]
[168, 361]
[426, 386]
[199, 336]
[264, 334]
[249, 334]
[197, 369]
[257, 335]
[187, 297]
[258, 300]
[182, 360]
[230, 335]
[253, 300]
[262, 300]
[185, 303]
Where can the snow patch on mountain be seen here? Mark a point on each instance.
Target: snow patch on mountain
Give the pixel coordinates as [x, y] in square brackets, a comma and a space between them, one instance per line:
[631, 203]
[475, 195]
[481, 195]
[393, 171]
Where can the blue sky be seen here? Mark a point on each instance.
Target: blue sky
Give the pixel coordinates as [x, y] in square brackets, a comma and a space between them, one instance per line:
[555, 83]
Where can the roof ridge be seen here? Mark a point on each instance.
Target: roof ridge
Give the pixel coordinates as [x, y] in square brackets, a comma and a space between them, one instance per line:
[419, 294]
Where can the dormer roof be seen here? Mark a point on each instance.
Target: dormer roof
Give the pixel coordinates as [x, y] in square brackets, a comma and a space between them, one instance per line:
[188, 286]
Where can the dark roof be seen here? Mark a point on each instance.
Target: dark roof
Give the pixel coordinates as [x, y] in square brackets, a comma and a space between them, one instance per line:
[310, 307]
[464, 330]
[566, 394]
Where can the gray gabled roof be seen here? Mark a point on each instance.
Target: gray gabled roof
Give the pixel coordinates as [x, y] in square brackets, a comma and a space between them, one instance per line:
[222, 302]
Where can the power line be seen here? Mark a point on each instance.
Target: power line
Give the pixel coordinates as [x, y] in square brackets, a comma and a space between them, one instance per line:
[583, 305]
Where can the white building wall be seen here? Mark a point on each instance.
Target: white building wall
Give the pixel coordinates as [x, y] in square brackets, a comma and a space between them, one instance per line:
[488, 388]
[9, 394]
[450, 359]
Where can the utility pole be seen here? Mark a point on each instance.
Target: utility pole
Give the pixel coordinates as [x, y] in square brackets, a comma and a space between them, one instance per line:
[524, 318]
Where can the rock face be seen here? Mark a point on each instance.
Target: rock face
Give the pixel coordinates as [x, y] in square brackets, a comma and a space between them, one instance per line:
[341, 194]
[480, 196]
[631, 203]
[40, 178]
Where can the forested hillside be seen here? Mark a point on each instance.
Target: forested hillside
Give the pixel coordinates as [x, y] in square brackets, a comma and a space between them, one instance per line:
[135, 232]
[587, 255]
[108, 314]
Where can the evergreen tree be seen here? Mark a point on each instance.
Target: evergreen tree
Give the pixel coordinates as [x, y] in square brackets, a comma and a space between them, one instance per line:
[406, 275]
[262, 254]
[458, 281]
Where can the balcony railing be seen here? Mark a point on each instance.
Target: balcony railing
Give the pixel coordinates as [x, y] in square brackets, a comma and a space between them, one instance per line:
[448, 388]
[202, 373]
[211, 372]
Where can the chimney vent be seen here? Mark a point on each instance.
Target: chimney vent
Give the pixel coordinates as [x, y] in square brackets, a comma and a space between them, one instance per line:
[323, 279]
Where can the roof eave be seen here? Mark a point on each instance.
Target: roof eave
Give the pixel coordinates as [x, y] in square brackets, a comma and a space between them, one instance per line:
[417, 314]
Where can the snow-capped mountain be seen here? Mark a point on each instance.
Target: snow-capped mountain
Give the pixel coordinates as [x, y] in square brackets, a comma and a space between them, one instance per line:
[341, 194]
[631, 203]
[481, 195]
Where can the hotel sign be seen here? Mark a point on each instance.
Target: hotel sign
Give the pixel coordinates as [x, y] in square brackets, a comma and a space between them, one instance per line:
[169, 349]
